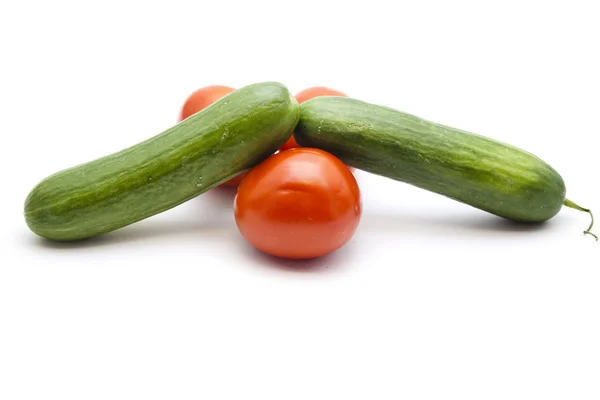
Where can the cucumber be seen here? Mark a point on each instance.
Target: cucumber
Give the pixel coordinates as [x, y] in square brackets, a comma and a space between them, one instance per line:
[204, 150]
[473, 169]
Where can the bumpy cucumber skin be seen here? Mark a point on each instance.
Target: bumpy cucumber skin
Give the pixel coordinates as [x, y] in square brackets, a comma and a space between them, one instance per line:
[470, 168]
[208, 148]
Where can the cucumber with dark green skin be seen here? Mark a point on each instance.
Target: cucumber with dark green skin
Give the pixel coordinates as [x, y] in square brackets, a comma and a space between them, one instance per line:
[470, 168]
[204, 150]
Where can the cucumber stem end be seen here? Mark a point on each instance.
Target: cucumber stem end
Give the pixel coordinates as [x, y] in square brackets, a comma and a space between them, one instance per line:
[588, 231]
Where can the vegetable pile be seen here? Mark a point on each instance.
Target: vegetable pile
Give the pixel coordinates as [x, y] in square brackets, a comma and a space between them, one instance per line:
[292, 160]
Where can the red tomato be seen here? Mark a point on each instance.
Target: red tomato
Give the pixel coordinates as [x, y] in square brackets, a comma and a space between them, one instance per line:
[201, 99]
[298, 203]
[308, 94]
[316, 91]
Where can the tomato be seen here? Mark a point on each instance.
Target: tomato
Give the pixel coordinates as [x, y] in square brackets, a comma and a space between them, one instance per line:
[201, 99]
[298, 203]
[308, 94]
[316, 91]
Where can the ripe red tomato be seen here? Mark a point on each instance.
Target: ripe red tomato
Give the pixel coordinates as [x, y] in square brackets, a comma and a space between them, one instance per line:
[308, 94]
[298, 203]
[316, 91]
[201, 99]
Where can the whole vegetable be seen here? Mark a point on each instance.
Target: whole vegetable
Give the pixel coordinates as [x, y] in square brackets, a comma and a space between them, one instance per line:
[484, 173]
[202, 151]
[298, 203]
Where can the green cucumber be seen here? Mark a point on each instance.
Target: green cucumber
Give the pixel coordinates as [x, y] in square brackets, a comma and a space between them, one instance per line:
[470, 168]
[204, 150]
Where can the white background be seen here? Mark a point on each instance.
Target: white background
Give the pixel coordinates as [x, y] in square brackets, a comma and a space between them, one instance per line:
[431, 299]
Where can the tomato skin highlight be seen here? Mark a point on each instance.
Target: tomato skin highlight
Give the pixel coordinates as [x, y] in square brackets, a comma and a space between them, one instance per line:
[299, 203]
[198, 101]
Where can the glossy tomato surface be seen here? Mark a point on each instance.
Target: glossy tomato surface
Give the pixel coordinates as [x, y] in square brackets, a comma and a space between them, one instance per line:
[201, 99]
[299, 203]
[308, 94]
